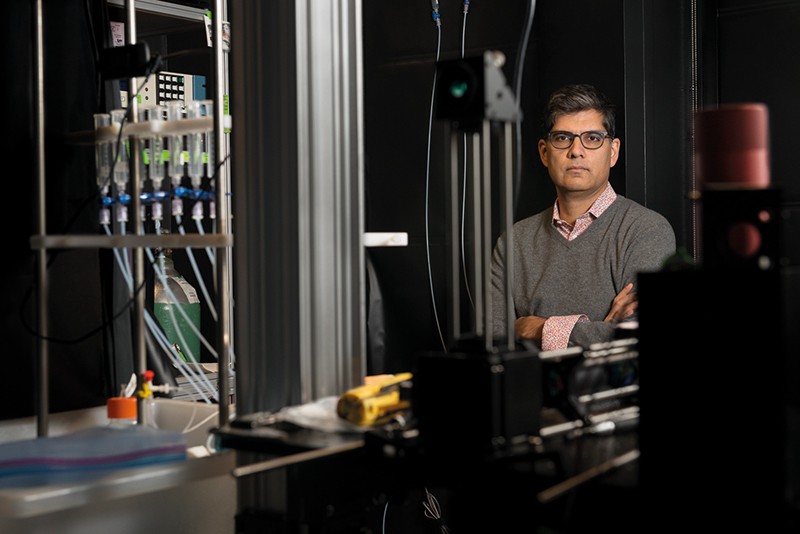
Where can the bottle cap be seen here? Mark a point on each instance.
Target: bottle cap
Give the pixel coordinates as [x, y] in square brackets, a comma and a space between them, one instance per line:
[121, 408]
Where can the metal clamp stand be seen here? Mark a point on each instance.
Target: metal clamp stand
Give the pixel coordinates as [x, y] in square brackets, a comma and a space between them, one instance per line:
[485, 396]
[482, 230]
[473, 96]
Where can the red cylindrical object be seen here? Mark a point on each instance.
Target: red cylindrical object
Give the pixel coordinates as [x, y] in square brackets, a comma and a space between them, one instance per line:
[732, 145]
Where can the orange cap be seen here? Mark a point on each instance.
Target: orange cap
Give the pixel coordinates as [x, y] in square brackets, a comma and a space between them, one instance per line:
[121, 408]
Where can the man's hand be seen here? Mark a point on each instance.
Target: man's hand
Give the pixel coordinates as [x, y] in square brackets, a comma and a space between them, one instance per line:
[623, 305]
[530, 327]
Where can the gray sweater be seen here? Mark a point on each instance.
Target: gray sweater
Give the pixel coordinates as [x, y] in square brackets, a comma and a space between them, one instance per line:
[553, 276]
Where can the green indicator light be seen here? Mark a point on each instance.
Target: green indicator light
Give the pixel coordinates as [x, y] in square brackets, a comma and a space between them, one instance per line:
[458, 89]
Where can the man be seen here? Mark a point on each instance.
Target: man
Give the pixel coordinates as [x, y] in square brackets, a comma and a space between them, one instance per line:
[575, 263]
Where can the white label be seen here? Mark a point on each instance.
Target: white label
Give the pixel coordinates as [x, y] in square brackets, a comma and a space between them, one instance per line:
[118, 33]
[190, 292]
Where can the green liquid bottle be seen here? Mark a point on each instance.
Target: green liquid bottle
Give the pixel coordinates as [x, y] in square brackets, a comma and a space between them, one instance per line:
[167, 305]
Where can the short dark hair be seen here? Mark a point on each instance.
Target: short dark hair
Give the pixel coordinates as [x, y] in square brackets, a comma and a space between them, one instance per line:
[573, 98]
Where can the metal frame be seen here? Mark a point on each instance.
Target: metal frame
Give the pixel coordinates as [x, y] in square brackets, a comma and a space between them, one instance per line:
[222, 240]
[296, 81]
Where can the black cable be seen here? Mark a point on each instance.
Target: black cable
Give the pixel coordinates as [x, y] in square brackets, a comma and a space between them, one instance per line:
[438, 25]
[519, 69]
[88, 334]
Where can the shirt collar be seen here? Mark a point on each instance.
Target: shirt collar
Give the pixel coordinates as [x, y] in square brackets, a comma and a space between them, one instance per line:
[600, 204]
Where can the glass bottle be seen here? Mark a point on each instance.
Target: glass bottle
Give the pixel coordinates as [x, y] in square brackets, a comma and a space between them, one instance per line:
[121, 411]
[177, 307]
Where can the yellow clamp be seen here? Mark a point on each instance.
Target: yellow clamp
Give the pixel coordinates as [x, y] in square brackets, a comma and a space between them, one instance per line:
[366, 405]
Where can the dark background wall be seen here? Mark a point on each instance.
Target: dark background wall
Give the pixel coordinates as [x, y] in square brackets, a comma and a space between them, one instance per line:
[75, 304]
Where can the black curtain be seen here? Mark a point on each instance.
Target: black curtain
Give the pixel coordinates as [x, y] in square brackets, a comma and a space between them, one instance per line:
[78, 373]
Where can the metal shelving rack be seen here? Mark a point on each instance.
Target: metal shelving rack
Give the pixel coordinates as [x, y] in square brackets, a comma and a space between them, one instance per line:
[221, 240]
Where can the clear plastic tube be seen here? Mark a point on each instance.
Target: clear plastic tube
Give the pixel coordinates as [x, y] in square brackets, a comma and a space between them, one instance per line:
[121, 167]
[198, 380]
[157, 211]
[194, 145]
[102, 154]
[209, 301]
[175, 163]
[197, 210]
[208, 111]
[122, 213]
[154, 160]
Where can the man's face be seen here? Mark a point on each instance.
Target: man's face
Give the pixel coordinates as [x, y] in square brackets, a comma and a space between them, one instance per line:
[577, 169]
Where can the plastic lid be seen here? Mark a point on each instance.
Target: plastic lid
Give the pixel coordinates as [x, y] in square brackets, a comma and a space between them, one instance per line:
[121, 408]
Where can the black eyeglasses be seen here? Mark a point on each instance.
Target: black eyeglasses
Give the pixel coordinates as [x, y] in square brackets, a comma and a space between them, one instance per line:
[590, 140]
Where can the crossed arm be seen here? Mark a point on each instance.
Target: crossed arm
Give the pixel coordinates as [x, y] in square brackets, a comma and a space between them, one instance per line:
[622, 306]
